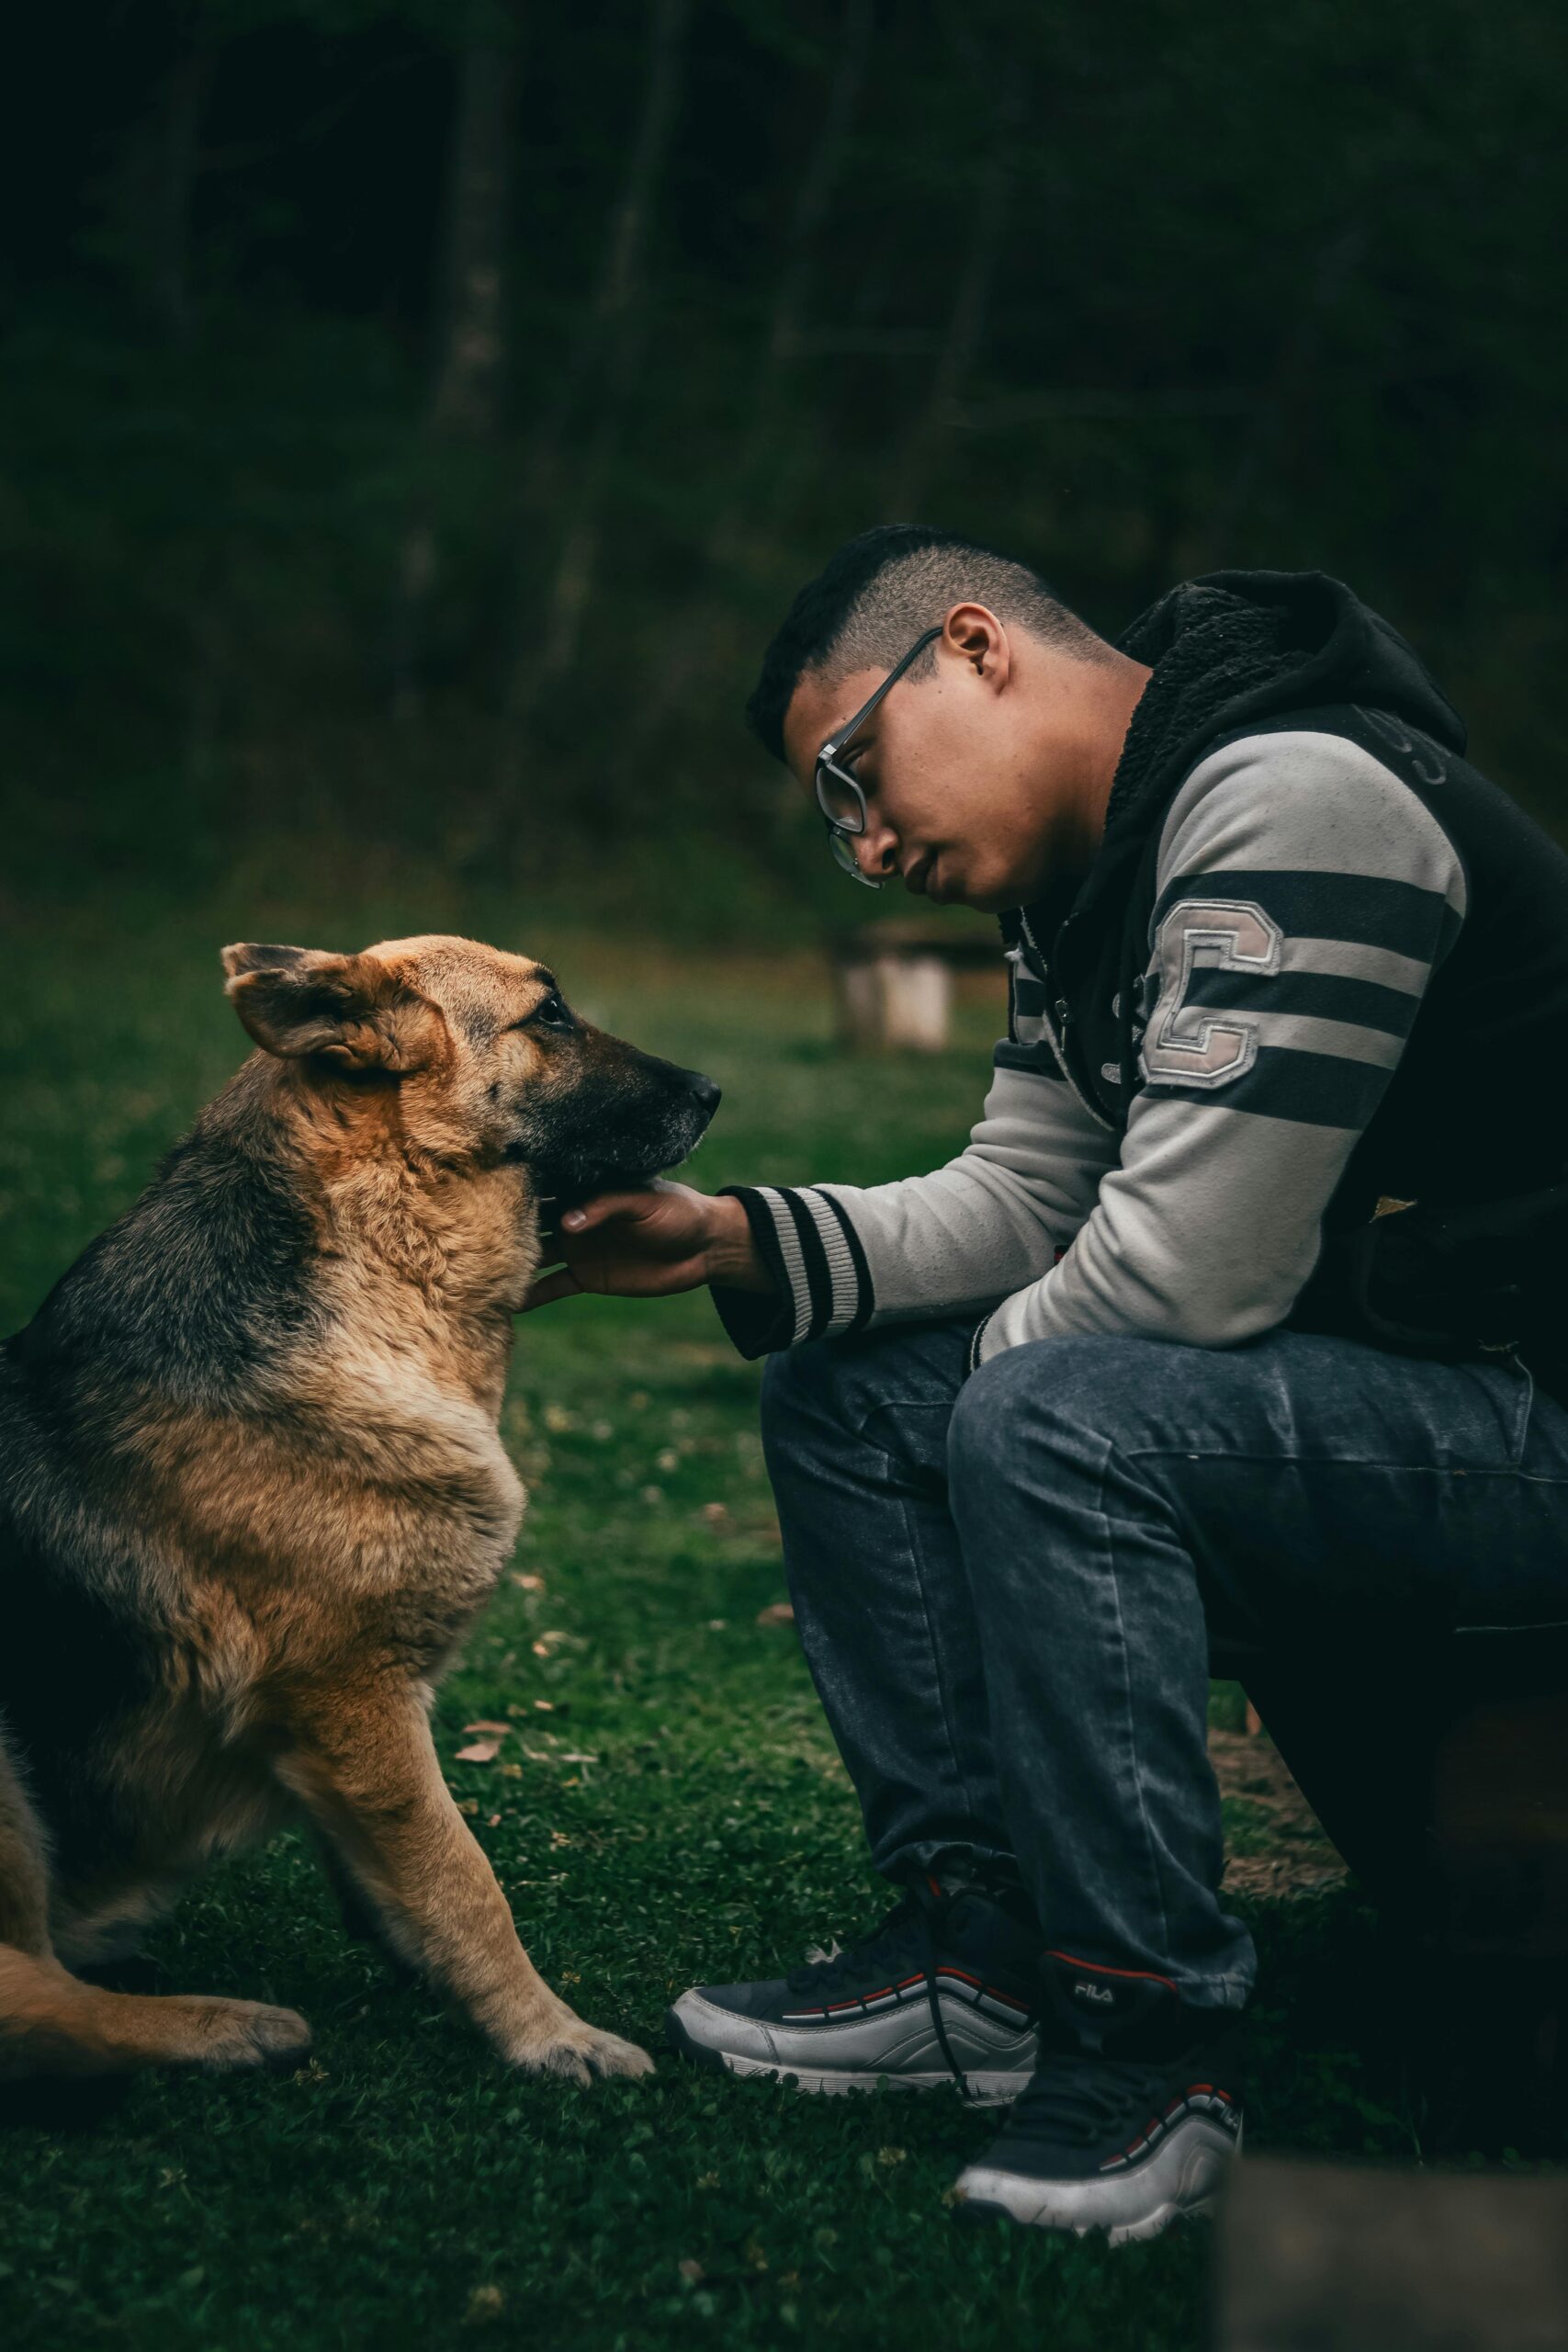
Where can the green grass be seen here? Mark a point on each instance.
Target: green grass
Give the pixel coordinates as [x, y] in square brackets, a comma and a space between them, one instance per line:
[668, 1807]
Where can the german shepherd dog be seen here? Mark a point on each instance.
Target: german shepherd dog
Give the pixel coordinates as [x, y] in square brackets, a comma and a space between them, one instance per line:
[252, 1491]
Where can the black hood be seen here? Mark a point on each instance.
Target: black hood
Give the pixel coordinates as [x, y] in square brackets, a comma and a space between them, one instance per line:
[1229, 652]
[1236, 647]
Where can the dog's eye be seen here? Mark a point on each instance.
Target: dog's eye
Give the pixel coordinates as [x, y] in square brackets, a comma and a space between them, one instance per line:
[550, 1012]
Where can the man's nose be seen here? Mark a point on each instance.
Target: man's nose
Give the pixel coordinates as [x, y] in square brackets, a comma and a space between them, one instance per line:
[875, 849]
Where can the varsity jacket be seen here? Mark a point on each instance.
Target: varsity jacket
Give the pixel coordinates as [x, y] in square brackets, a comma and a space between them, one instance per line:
[1318, 963]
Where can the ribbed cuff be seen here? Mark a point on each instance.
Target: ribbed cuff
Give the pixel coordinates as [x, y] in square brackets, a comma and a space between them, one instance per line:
[821, 1280]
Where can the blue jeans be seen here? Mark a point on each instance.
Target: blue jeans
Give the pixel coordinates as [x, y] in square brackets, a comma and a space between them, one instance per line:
[1005, 1585]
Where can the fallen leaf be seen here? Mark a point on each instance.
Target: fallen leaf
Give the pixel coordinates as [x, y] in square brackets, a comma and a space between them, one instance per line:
[545, 1706]
[777, 1612]
[528, 1584]
[479, 1751]
[501, 1728]
[692, 2272]
[576, 1757]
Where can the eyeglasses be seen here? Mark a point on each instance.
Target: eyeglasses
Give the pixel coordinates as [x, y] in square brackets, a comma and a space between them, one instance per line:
[838, 797]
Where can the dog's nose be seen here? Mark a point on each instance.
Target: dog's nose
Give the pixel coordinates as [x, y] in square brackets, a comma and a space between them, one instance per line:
[707, 1094]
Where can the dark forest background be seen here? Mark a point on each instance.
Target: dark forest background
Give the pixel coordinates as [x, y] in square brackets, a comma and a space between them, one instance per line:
[415, 413]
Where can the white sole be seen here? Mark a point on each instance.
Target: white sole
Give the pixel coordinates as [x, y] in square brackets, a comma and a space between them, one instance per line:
[1180, 2180]
[984, 2090]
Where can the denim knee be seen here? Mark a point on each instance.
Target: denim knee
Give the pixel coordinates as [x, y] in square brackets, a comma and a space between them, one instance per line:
[1072, 1390]
[841, 1388]
[801, 1387]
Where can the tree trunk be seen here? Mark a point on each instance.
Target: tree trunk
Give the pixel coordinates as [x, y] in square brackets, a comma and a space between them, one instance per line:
[1286, 396]
[965, 326]
[771, 381]
[152, 206]
[184, 104]
[814, 195]
[602, 374]
[469, 366]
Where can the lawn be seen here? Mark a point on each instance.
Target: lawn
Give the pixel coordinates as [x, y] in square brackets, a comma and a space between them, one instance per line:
[666, 1807]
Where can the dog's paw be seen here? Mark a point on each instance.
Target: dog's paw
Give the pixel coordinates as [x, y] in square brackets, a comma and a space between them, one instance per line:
[579, 2054]
[250, 2033]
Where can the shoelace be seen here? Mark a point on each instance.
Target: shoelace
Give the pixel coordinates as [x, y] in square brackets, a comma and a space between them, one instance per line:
[1077, 2100]
[905, 1935]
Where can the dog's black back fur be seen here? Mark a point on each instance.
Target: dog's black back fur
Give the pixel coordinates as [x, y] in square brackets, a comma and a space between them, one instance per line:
[185, 1297]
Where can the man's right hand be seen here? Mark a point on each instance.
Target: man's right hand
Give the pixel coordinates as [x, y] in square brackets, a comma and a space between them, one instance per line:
[651, 1244]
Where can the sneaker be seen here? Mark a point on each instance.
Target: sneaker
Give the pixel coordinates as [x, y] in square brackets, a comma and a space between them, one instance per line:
[1132, 2118]
[943, 1992]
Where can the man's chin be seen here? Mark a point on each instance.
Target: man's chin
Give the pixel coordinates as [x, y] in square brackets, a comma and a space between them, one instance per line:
[945, 888]
[993, 900]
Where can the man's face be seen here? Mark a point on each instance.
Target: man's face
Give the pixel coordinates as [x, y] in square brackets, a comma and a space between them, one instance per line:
[956, 803]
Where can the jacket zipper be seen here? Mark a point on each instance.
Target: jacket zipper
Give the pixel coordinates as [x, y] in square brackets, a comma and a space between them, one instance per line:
[1059, 1040]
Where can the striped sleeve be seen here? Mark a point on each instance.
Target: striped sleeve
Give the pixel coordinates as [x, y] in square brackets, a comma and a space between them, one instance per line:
[821, 1282]
[1305, 898]
[955, 1242]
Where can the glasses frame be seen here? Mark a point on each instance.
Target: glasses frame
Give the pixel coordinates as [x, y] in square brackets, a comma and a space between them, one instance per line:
[842, 830]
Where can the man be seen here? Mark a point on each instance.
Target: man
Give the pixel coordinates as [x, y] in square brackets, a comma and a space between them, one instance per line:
[1040, 1421]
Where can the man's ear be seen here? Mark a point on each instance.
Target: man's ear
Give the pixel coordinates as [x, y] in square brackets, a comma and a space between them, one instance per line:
[354, 1012]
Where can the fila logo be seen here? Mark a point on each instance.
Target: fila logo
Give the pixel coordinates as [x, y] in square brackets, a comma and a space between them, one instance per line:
[1101, 1995]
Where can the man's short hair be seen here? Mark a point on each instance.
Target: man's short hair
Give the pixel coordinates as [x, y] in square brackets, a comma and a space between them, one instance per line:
[871, 601]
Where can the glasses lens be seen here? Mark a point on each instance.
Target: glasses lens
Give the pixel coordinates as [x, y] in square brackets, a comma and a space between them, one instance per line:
[839, 799]
[844, 856]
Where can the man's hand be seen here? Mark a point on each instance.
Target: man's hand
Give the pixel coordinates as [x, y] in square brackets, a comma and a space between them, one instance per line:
[649, 1245]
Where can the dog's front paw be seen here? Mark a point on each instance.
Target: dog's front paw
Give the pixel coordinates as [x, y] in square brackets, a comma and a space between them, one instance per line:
[579, 2053]
[242, 2034]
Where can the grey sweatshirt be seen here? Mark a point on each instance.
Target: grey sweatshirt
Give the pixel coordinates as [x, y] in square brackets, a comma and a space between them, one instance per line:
[1306, 895]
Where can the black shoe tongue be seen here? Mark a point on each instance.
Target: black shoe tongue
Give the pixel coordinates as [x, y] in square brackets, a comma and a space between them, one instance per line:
[986, 1934]
[1108, 2012]
[994, 1884]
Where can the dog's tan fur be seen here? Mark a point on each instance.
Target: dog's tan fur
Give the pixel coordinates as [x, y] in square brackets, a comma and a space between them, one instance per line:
[295, 1553]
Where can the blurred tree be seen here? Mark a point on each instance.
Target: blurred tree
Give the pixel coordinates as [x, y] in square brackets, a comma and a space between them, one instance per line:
[471, 299]
[1003, 95]
[750, 485]
[605, 371]
[341, 353]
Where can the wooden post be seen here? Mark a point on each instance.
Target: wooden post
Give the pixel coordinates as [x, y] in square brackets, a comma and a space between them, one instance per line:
[893, 982]
[1500, 1828]
[1346, 2258]
[896, 1001]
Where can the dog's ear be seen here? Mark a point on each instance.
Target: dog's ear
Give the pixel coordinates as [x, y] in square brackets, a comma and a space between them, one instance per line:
[354, 1011]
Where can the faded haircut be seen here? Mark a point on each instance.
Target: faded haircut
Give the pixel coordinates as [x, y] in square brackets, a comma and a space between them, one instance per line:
[871, 601]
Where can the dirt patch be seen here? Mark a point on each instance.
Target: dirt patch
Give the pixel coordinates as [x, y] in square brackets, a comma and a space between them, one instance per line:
[1275, 1844]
